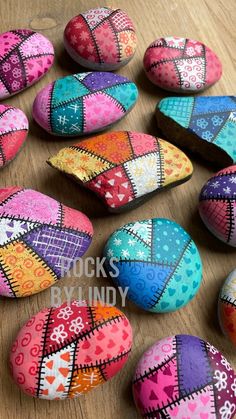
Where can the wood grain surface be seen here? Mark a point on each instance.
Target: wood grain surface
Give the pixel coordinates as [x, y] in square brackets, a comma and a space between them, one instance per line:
[210, 21]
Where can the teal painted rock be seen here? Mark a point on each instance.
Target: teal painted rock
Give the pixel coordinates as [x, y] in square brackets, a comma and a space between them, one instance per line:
[84, 103]
[205, 125]
[158, 262]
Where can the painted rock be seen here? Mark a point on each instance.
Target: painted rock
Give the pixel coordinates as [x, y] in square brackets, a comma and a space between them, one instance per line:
[205, 125]
[227, 307]
[124, 168]
[181, 65]
[101, 39]
[40, 238]
[217, 205]
[67, 351]
[25, 56]
[184, 377]
[84, 103]
[158, 262]
[13, 132]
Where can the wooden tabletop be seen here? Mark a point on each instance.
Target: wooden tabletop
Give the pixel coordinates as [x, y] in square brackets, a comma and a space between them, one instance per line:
[210, 21]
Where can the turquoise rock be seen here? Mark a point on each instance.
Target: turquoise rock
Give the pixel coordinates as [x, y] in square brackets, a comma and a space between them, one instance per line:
[84, 103]
[204, 124]
[158, 261]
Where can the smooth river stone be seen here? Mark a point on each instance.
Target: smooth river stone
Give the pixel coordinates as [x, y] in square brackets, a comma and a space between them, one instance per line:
[84, 103]
[205, 125]
[25, 56]
[158, 261]
[181, 65]
[217, 205]
[40, 239]
[184, 377]
[227, 307]
[101, 39]
[124, 168]
[13, 132]
[67, 351]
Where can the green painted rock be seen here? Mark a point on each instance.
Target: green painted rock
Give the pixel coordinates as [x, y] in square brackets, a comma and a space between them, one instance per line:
[84, 103]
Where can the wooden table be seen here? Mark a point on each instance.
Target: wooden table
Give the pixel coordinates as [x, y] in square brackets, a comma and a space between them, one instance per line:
[211, 21]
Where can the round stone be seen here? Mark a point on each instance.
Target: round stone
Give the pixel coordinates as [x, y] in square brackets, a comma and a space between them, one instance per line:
[160, 275]
[227, 307]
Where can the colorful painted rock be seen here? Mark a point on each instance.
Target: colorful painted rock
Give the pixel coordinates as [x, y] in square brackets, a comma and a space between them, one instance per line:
[158, 262]
[101, 39]
[84, 103]
[13, 132]
[67, 351]
[184, 377]
[40, 238]
[124, 168]
[25, 56]
[227, 307]
[204, 124]
[181, 65]
[217, 205]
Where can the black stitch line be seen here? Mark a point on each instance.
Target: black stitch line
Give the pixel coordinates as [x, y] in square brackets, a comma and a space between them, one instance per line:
[100, 363]
[17, 47]
[43, 345]
[160, 293]
[79, 100]
[172, 60]
[9, 198]
[153, 370]
[84, 335]
[227, 300]
[40, 224]
[230, 221]
[6, 280]
[95, 44]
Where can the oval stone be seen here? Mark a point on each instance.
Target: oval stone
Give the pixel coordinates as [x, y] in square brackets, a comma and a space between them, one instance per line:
[25, 56]
[13, 132]
[203, 124]
[183, 376]
[158, 262]
[67, 351]
[124, 168]
[40, 239]
[84, 103]
[217, 205]
[181, 65]
[227, 307]
[101, 39]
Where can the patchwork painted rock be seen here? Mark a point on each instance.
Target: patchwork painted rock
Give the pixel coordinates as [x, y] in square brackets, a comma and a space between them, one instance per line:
[205, 125]
[227, 307]
[67, 351]
[158, 262]
[25, 56]
[40, 238]
[217, 205]
[184, 377]
[84, 103]
[181, 65]
[101, 39]
[124, 168]
[13, 132]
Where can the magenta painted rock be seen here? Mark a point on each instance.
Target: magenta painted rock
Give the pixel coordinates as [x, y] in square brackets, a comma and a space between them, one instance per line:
[67, 351]
[25, 56]
[184, 377]
[217, 205]
[181, 65]
[40, 239]
[101, 39]
[13, 132]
